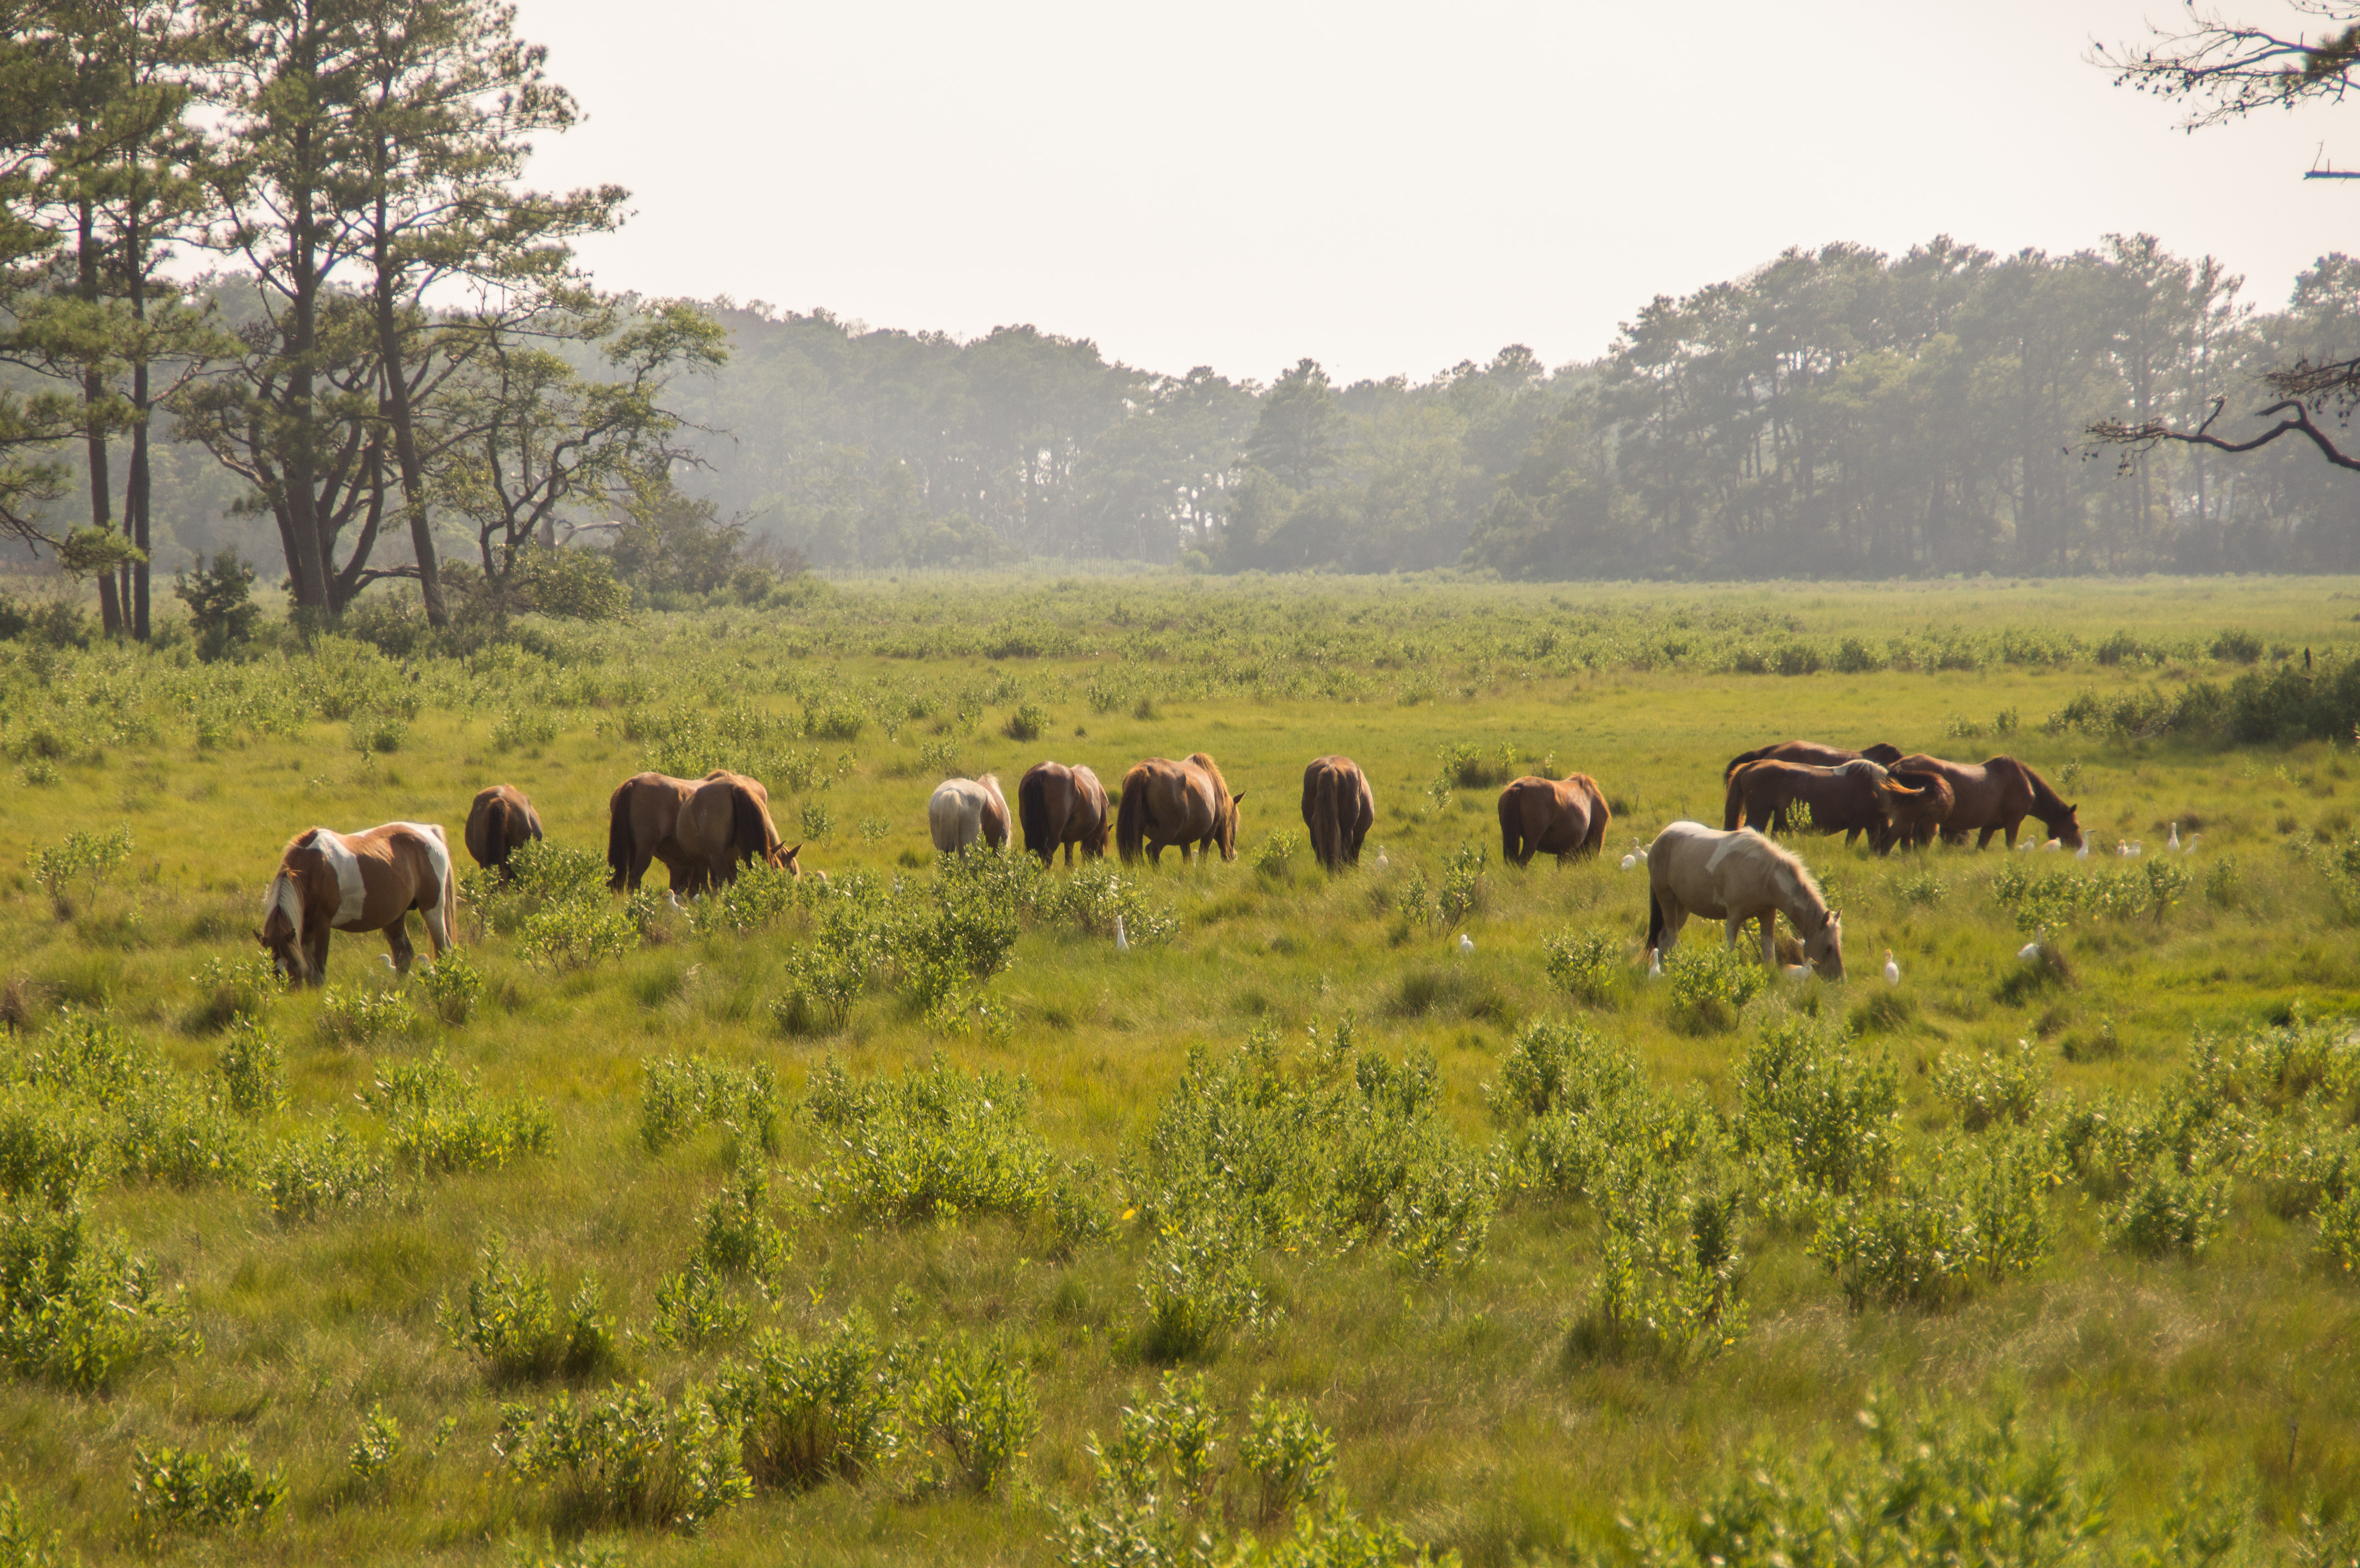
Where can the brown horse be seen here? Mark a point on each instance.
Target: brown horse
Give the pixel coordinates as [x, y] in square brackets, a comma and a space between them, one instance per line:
[1996, 796]
[1338, 807]
[1060, 805]
[357, 882]
[1851, 800]
[1564, 819]
[1915, 821]
[1185, 803]
[500, 820]
[649, 819]
[1812, 754]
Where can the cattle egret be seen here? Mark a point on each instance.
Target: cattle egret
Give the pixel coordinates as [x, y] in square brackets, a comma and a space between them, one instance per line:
[1121, 943]
[389, 961]
[1465, 943]
[2082, 852]
[1642, 857]
[2175, 836]
[674, 895]
[1629, 861]
[2028, 952]
[1796, 971]
[2137, 848]
[2054, 844]
[2190, 847]
[2122, 850]
[1654, 964]
[1382, 861]
[1892, 970]
[2028, 843]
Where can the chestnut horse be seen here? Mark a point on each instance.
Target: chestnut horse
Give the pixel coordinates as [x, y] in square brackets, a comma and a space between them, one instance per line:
[1564, 818]
[1996, 796]
[1734, 878]
[1857, 798]
[962, 811]
[500, 820]
[1338, 807]
[1061, 805]
[649, 818]
[357, 882]
[1813, 753]
[1185, 803]
[1915, 821]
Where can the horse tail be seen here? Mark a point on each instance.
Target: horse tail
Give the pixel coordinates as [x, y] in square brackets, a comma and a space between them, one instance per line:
[1511, 834]
[618, 838]
[1740, 760]
[1654, 919]
[1032, 815]
[1733, 810]
[1130, 821]
[450, 902]
[1326, 834]
[747, 839]
[1601, 814]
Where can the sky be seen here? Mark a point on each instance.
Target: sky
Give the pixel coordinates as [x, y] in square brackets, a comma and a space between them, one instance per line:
[1388, 188]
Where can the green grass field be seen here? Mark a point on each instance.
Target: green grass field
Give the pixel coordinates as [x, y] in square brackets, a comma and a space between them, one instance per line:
[1439, 1316]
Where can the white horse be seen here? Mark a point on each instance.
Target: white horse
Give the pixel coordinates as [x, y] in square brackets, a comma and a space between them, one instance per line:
[963, 809]
[1734, 876]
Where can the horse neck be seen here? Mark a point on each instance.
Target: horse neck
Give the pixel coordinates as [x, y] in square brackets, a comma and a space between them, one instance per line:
[2046, 802]
[1797, 898]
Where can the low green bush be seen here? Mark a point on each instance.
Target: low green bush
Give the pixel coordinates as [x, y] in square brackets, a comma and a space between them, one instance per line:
[737, 1236]
[251, 1067]
[1813, 1112]
[1710, 985]
[1589, 964]
[509, 1320]
[360, 1016]
[437, 1120]
[682, 1093]
[452, 987]
[1992, 1088]
[972, 1408]
[1959, 1216]
[185, 1488]
[805, 1414]
[1555, 1069]
[50, 1149]
[313, 1174]
[76, 1306]
[2165, 1210]
[691, 1311]
[630, 1456]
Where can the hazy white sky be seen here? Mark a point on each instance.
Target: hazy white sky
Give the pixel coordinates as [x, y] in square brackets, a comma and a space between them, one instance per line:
[1388, 188]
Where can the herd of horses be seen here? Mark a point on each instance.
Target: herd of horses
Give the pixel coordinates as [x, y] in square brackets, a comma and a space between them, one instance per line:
[705, 830]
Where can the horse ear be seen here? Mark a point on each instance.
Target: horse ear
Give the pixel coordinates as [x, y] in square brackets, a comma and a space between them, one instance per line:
[790, 855]
[1238, 796]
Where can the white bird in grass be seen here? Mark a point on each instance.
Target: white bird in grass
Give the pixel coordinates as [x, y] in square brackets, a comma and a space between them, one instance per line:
[674, 895]
[2028, 843]
[2082, 852]
[1382, 861]
[2028, 952]
[2137, 848]
[2054, 844]
[389, 961]
[1466, 945]
[1892, 970]
[1121, 943]
[1654, 964]
[2122, 850]
[1643, 856]
[1796, 971]
[2175, 837]
[2190, 847]
[1629, 861]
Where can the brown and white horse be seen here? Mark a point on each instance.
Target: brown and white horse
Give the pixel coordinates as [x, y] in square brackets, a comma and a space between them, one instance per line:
[357, 882]
[500, 820]
[962, 811]
[1734, 877]
[1060, 805]
[1185, 803]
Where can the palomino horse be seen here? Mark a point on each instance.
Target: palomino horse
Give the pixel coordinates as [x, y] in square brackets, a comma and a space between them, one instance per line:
[1338, 807]
[357, 882]
[1856, 798]
[1812, 753]
[648, 818]
[500, 820]
[1166, 803]
[1061, 805]
[1916, 821]
[962, 811]
[1995, 797]
[1564, 818]
[1734, 877]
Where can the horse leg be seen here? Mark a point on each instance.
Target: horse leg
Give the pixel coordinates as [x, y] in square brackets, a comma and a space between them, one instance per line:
[437, 931]
[1984, 841]
[2012, 830]
[396, 937]
[1770, 940]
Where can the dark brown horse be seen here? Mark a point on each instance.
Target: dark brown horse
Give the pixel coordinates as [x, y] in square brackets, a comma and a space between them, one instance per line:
[1185, 803]
[1915, 821]
[1564, 818]
[1338, 807]
[648, 818]
[500, 820]
[1060, 805]
[357, 882]
[1853, 799]
[1996, 796]
[1812, 754]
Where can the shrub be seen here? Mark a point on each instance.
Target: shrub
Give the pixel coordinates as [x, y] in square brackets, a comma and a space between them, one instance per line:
[1097, 893]
[89, 857]
[1468, 767]
[1813, 1111]
[22, 1543]
[2167, 1210]
[1275, 857]
[437, 1120]
[1026, 723]
[809, 1414]
[840, 722]
[87, 1057]
[76, 1306]
[523, 727]
[251, 1067]
[1560, 1069]
[818, 821]
[1587, 963]
[1198, 1283]
[183, 1489]
[509, 1320]
[1667, 1281]
[577, 935]
[453, 985]
[1961, 1217]
[973, 1407]
[363, 1017]
[1924, 890]
[1992, 1088]
[630, 1456]
[305, 1178]
[235, 989]
[220, 609]
[2339, 1233]
[737, 1236]
[681, 1092]
[1291, 1456]
[1710, 985]
[1462, 884]
[2220, 883]
[170, 1135]
[49, 1147]
[691, 1310]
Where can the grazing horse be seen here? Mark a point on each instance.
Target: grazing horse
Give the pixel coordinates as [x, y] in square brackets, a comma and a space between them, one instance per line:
[1813, 753]
[725, 823]
[1995, 797]
[357, 882]
[963, 809]
[1915, 821]
[1564, 818]
[1061, 805]
[1734, 877]
[500, 820]
[1856, 798]
[1338, 807]
[1185, 803]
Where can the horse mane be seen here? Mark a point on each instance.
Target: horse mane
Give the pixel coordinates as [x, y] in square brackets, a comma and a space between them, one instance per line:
[2044, 799]
[1788, 865]
[1213, 771]
[750, 833]
[1740, 760]
[286, 896]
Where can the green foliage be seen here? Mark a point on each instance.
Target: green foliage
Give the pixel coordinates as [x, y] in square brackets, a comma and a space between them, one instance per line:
[1961, 1217]
[1990, 1089]
[1198, 1283]
[240, 988]
[186, 1488]
[2054, 901]
[1588, 965]
[1812, 1112]
[23, 1544]
[1668, 1280]
[690, 1310]
[452, 984]
[2166, 1210]
[509, 1320]
[437, 1120]
[1462, 884]
[358, 1015]
[628, 1457]
[1292, 1456]
[807, 1414]
[82, 856]
[1275, 855]
[737, 1236]
[91, 1057]
[1026, 723]
[76, 1306]
[577, 935]
[1468, 767]
[1710, 985]
[379, 734]
[972, 1406]
[1560, 1070]
[50, 1149]
[523, 728]
[312, 1175]
[684, 1093]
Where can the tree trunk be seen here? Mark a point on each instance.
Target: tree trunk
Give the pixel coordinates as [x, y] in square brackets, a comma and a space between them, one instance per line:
[93, 390]
[405, 435]
[307, 565]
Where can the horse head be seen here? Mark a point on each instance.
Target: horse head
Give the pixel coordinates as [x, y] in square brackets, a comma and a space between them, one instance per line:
[2067, 830]
[1823, 950]
[783, 859]
[279, 939]
[1226, 829]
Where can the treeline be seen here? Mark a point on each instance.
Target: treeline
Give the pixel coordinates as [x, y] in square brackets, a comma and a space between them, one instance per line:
[1838, 412]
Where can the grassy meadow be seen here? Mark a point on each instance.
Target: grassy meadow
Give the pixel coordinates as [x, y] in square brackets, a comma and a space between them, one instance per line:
[1545, 1247]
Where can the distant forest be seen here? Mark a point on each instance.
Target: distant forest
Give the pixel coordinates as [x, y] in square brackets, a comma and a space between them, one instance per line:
[1838, 412]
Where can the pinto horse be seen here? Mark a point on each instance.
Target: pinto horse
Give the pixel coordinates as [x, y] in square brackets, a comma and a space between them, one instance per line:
[1734, 877]
[1185, 803]
[1340, 809]
[500, 820]
[1566, 818]
[357, 882]
[1812, 754]
[702, 829]
[1856, 798]
[1996, 796]
[1060, 805]
[962, 811]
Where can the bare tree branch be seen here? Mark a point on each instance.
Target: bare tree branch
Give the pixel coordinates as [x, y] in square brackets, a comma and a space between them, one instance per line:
[2222, 70]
